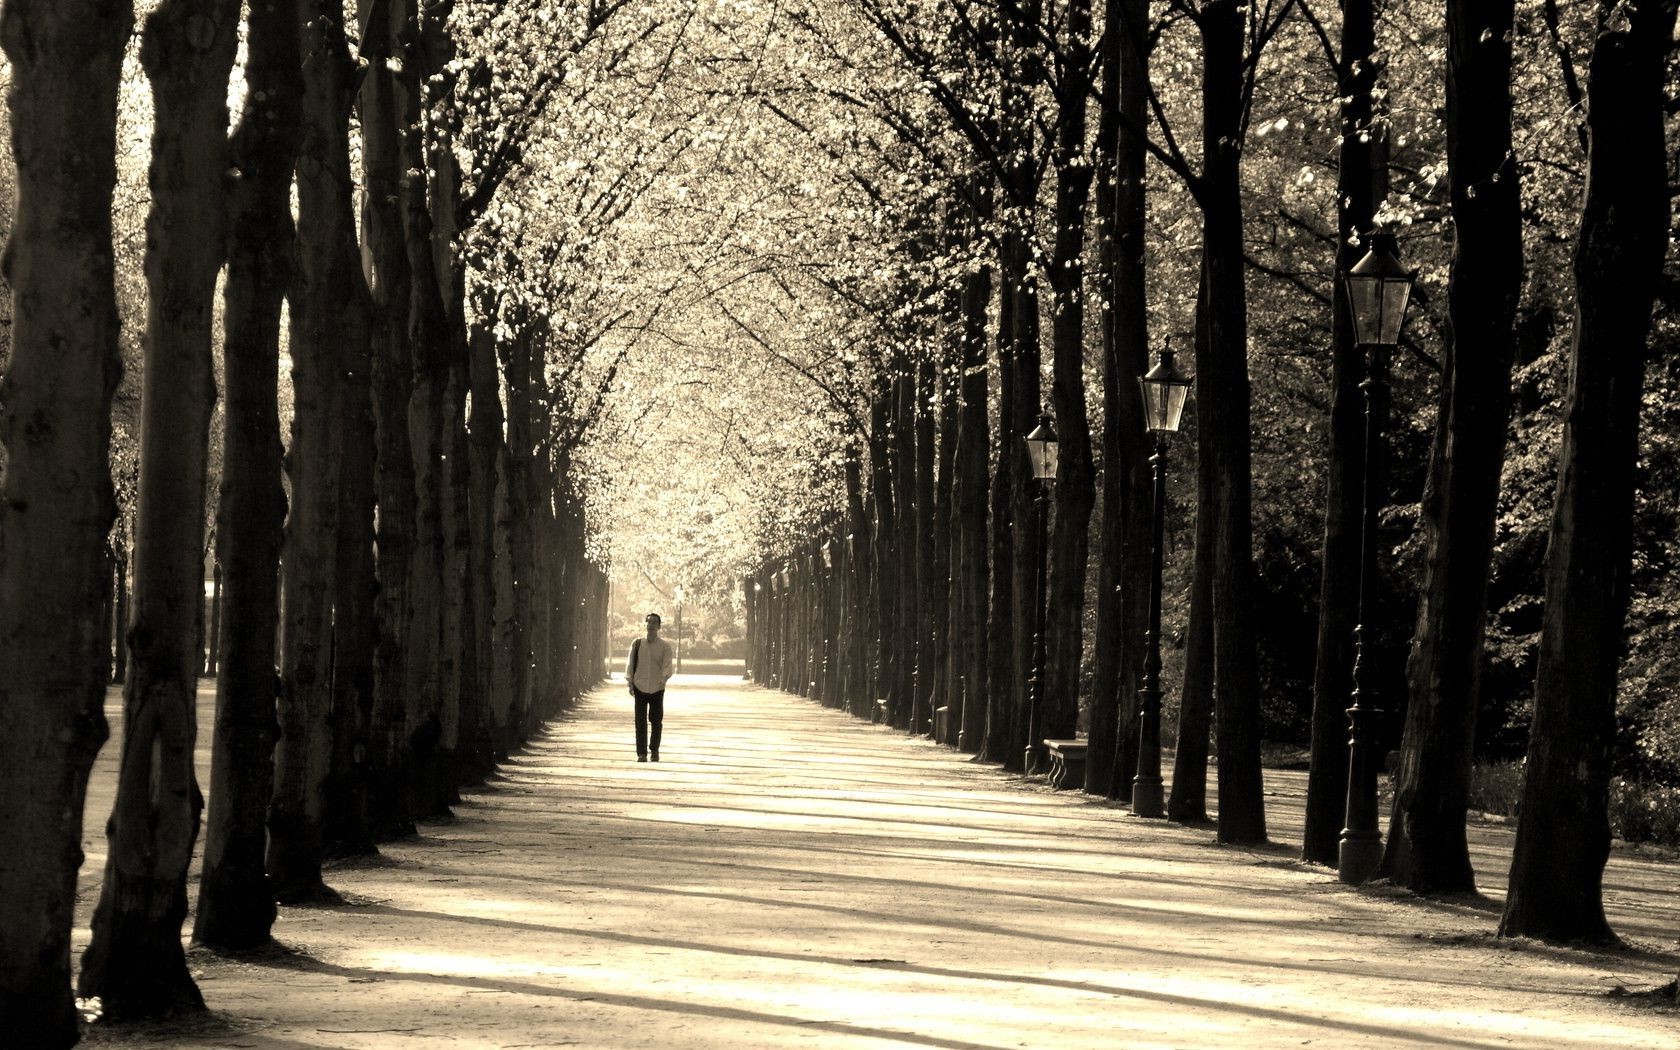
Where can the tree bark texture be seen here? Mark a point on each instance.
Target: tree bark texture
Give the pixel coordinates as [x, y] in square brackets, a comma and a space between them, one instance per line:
[1426, 850]
[134, 963]
[1075, 491]
[931, 575]
[1022, 415]
[57, 505]
[385, 268]
[1001, 653]
[969, 559]
[235, 901]
[429, 657]
[1187, 803]
[349, 829]
[1222, 428]
[1124, 523]
[325, 321]
[1563, 838]
[1338, 594]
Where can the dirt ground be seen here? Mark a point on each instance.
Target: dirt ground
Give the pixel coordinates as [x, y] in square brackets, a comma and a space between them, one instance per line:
[789, 877]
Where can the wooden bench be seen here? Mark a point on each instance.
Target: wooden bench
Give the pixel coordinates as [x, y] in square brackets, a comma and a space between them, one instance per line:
[880, 712]
[1067, 763]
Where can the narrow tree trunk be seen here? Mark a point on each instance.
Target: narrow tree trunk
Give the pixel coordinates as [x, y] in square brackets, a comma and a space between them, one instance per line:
[1338, 595]
[1002, 655]
[428, 650]
[325, 320]
[1187, 804]
[1222, 427]
[385, 268]
[1124, 524]
[235, 900]
[119, 674]
[969, 630]
[350, 819]
[466, 718]
[1563, 838]
[1427, 851]
[932, 576]
[1021, 417]
[516, 361]
[66, 60]
[134, 962]
[1075, 490]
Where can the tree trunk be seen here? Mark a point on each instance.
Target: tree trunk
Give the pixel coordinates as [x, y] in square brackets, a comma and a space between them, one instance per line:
[134, 963]
[1427, 851]
[326, 321]
[969, 630]
[1021, 416]
[1075, 489]
[1563, 838]
[119, 673]
[907, 690]
[1338, 595]
[1124, 531]
[487, 455]
[385, 268]
[932, 575]
[429, 701]
[350, 822]
[235, 900]
[1222, 427]
[516, 361]
[66, 60]
[1002, 656]
[1187, 804]
[466, 739]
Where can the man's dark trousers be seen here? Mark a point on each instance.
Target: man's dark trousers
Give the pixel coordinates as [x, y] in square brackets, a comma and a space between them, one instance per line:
[650, 707]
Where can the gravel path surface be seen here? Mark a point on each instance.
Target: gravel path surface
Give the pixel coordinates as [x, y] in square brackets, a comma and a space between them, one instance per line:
[788, 876]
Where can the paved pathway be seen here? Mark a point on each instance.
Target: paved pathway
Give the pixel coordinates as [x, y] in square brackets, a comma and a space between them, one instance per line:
[790, 877]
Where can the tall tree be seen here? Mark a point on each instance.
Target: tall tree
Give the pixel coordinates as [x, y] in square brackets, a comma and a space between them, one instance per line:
[328, 321]
[1222, 425]
[1338, 595]
[385, 268]
[1075, 492]
[55, 423]
[235, 900]
[1563, 838]
[1123, 536]
[1426, 849]
[134, 963]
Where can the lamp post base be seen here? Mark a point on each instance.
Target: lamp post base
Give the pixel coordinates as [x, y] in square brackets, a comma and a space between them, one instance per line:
[1029, 761]
[1148, 799]
[1358, 857]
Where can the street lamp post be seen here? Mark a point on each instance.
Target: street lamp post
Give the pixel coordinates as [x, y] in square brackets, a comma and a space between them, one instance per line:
[1165, 390]
[1379, 290]
[1042, 455]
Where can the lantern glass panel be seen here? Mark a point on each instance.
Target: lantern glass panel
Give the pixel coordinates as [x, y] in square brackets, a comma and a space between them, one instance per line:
[1379, 290]
[1163, 404]
[1045, 459]
[1042, 452]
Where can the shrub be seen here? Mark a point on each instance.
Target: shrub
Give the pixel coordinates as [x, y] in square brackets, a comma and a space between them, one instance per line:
[1644, 812]
[1496, 787]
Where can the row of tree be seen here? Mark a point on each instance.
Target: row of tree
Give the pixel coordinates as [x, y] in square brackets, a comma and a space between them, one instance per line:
[915, 583]
[410, 588]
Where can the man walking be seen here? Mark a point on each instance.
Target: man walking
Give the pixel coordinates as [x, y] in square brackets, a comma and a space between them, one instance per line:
[647, 672]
